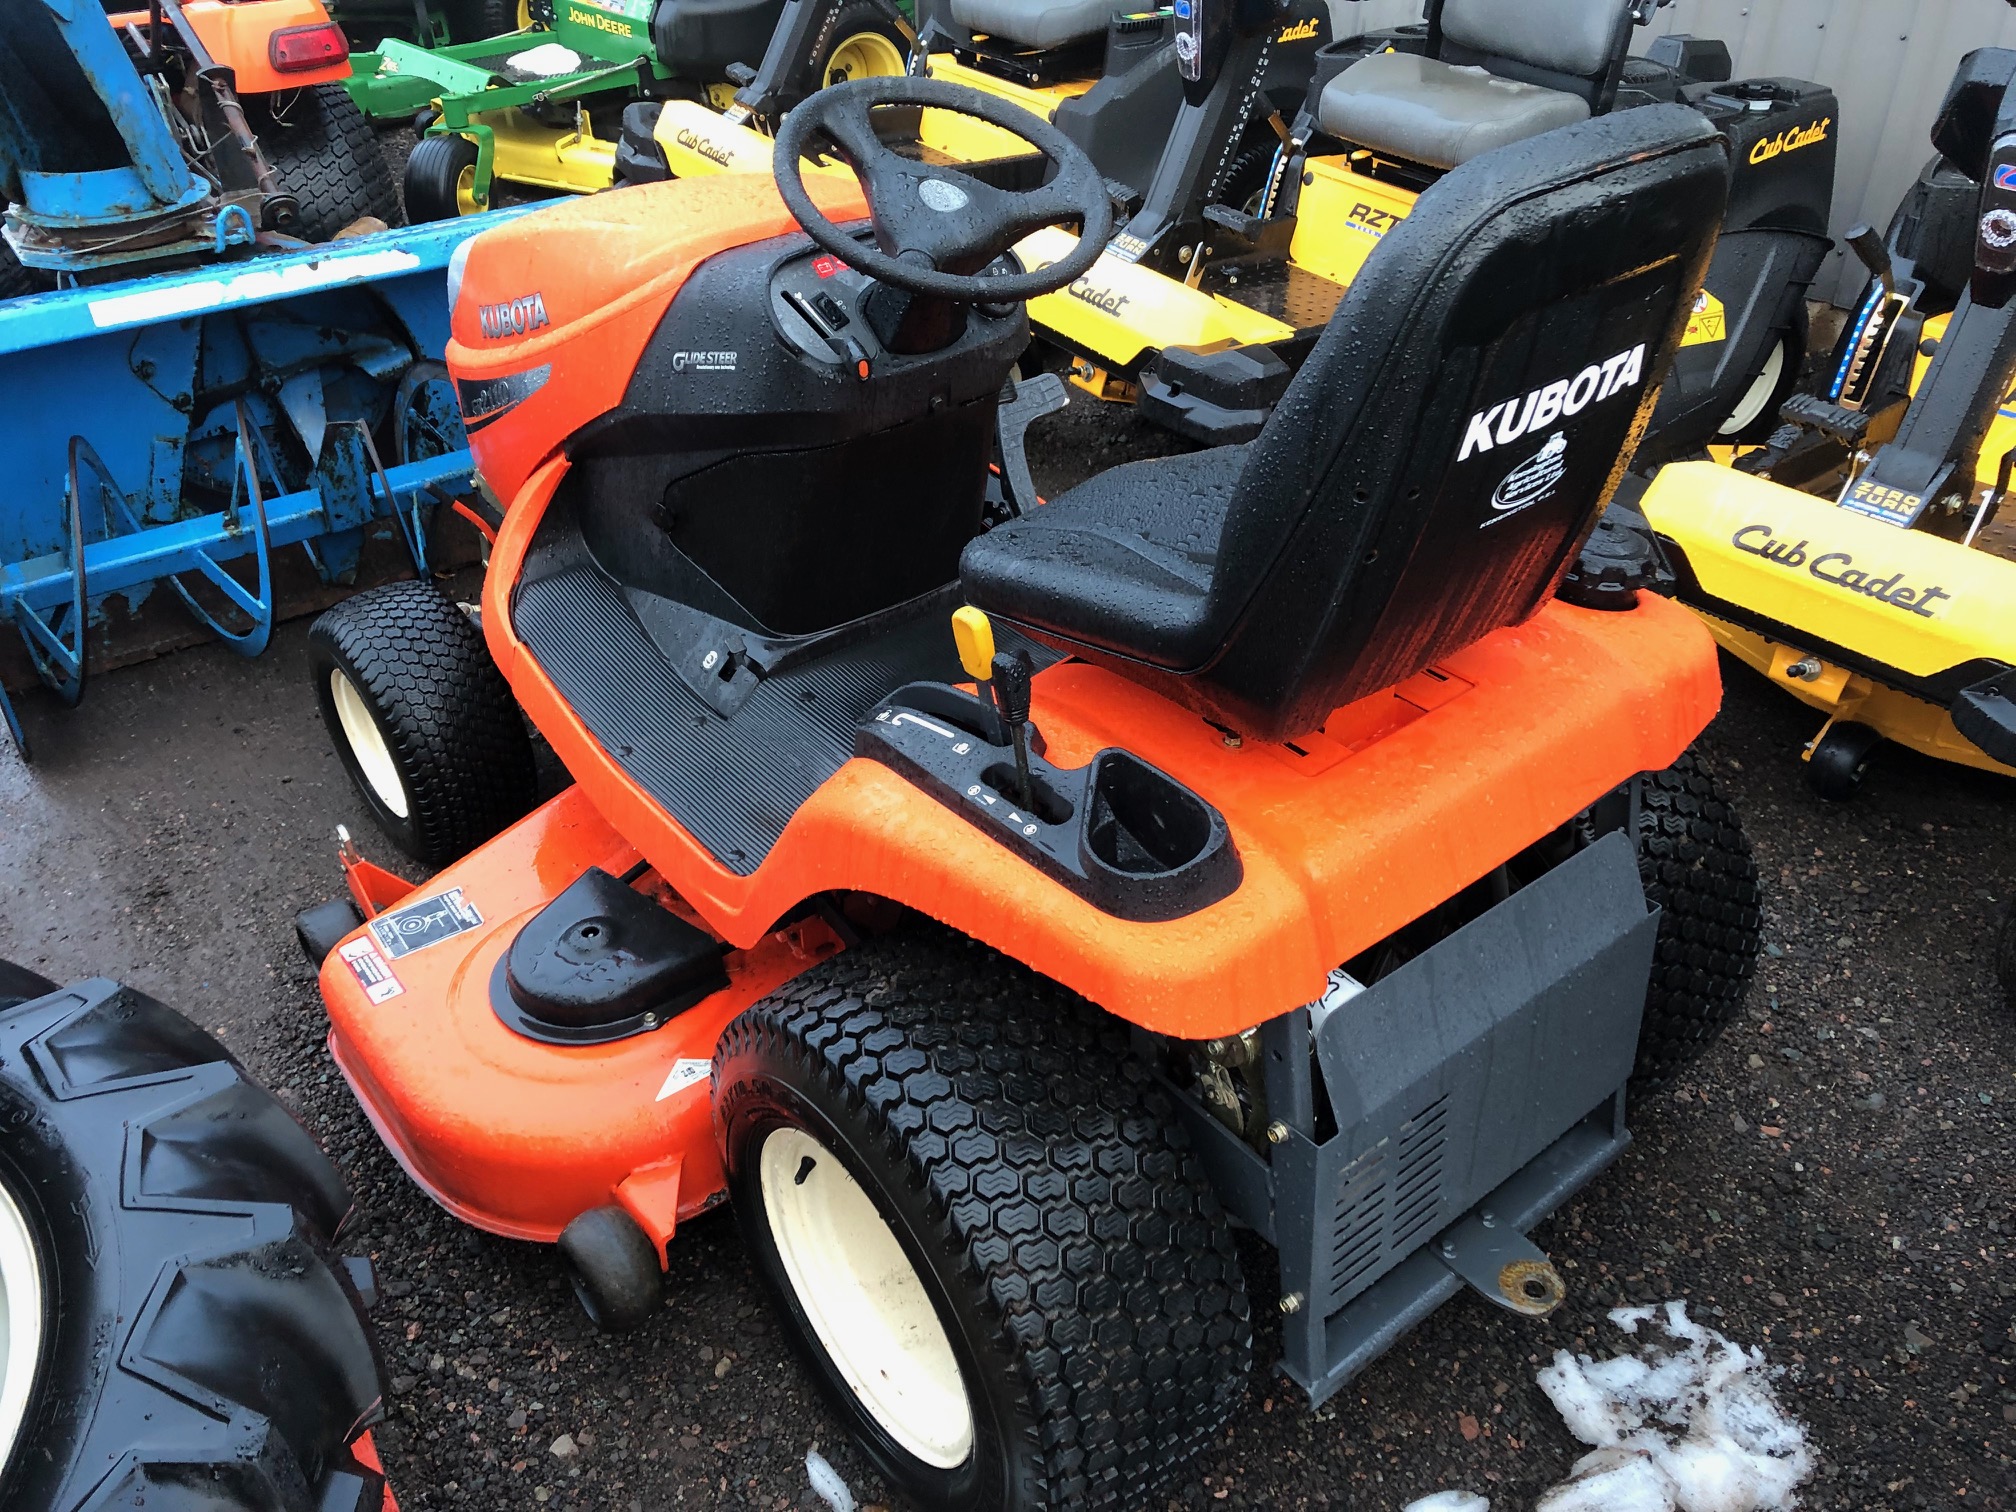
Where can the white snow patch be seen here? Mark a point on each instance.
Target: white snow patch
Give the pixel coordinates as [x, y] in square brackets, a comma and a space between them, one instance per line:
[546, 61]
[1692, 1429]
[1449, 1501]
[826, 1482]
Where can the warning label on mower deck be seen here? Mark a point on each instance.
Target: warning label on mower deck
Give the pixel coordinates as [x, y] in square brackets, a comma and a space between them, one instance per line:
[373, 975]
[428, 922]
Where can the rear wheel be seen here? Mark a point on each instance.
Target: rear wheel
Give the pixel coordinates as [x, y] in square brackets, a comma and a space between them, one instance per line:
[327, 156]
[174, 1329]
[480, 20]
[984, 1225]
[441, 179]
[1695, 862]
[1755, 415]
[422, 720]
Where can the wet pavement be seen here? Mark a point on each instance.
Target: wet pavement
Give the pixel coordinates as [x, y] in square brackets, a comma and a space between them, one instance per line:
[1834, 1182]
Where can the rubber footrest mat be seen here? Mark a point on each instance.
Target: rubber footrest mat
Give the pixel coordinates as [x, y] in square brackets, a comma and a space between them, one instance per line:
[731, 783]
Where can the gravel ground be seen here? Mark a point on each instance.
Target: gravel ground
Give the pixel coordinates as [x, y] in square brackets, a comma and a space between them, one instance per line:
[1834, 1182]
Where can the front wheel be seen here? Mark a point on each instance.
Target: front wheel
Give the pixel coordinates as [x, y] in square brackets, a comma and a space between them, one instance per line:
[984, 1225]
[1695, 862]
[1839, 759]
[441, 179]
[422, 720]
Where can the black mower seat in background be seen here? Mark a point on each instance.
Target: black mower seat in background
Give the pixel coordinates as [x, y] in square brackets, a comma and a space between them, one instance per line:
[699, 39]
[1433, 467]
[1035, 23]
[1506, 70]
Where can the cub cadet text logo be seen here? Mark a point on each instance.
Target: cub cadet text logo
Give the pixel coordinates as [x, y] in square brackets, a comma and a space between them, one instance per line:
[514, 317]
[703, 362]
[599, 21]
[1791, 139]
[1107, 300]
[1507, 421]
[1301, 31]
[693, 142]
[1838, 569]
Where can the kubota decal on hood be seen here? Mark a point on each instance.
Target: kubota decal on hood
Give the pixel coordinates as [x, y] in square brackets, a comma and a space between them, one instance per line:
[1507, 421]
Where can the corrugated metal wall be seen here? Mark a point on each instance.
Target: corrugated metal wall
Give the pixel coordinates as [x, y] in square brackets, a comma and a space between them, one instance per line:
[1888, 60]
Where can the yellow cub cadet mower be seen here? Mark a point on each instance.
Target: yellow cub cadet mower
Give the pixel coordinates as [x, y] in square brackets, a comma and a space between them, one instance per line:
[1859, 560]
[1177, 107]
[1204, 322]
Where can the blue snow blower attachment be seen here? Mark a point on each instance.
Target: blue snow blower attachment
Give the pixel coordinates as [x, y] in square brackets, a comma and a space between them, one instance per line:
[159, 428]
[262, 394]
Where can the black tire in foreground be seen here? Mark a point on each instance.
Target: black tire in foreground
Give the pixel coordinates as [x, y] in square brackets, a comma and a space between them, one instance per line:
[1695, 862]
[192, 1344]
[984, 1225]
[440, 179]
[422, 720]
[327, 156]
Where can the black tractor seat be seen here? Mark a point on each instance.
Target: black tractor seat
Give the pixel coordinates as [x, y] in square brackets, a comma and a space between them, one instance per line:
[1497, 72]
[1041, 24]
[1432, 469]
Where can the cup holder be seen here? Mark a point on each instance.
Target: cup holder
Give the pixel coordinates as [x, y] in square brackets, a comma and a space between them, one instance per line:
[1141, 823]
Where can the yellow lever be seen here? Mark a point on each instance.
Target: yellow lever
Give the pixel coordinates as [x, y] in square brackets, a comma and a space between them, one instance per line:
[974, 635]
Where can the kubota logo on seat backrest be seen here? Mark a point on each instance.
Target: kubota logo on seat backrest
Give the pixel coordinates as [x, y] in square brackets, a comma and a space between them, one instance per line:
[514, 317]
[1508, 420]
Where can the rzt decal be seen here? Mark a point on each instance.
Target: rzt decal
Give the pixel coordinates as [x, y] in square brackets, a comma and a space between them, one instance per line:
[1791, 139]
[1507, 421]
[514, 317]
[1370, 220]
[1837, 569]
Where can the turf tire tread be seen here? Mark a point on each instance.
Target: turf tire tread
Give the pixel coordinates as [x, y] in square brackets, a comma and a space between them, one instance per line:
[1058, 1169]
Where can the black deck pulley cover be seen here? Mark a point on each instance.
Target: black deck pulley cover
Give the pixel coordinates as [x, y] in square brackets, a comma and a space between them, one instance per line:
[603, 961]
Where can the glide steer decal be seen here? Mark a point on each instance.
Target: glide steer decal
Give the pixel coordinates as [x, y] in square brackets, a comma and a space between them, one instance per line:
[1505, 422]
[1838, 570]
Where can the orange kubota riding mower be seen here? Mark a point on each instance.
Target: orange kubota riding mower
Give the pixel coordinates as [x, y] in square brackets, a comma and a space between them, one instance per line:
[1000, 916]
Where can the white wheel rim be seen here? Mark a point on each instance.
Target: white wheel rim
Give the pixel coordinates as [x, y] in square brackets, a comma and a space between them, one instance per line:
[20, 1319]
[1755, 397]
[367, 743]
[864, 1299]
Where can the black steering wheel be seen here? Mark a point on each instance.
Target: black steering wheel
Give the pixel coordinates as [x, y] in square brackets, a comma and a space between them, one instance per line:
[935, 227]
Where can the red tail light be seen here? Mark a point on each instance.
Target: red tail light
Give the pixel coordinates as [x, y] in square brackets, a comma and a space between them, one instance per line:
[295, 49]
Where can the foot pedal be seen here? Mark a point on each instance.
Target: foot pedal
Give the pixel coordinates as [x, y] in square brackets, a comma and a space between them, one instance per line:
[1846, 426]
[740, 74]
[1218, 398]
[1243, 235]
[1030, 400]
